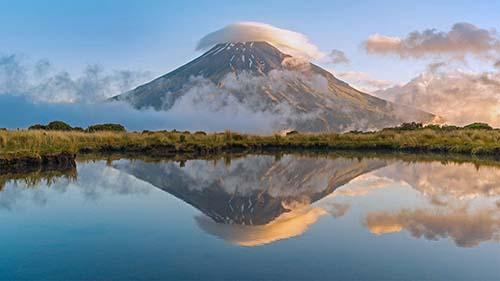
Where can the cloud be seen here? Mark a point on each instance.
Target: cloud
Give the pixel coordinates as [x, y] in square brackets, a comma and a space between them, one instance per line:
[337, 209]
[287, 225]
[436, 66]
[466, 228]
[448, 183]
[290, 42]
[364, 81]
[454, 95]
[40, 82]
[337, 57]
[23, 113]
[463, 39]
[93, 182]
[364, 185]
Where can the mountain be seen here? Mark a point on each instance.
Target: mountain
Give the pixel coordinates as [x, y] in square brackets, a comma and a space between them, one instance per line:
[257, 75]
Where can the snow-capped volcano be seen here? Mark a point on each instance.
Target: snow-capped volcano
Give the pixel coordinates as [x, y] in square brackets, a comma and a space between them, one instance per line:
[263, 79]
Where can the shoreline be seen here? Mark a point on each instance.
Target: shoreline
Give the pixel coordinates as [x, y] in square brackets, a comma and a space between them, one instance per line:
[27, 149]
[67, 165]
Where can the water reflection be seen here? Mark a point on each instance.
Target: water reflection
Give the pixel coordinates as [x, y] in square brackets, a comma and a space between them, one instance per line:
[256, 200]
[457, 201]
[91, 180]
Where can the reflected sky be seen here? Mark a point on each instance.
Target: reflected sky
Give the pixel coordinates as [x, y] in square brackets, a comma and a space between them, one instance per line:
[167, 220]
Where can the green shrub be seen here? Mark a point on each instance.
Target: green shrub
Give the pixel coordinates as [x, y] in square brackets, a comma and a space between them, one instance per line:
[237, 137]
[58, 126]
[449, 128]
[478, 126]
[54, 126]
[433, 127]
[106, 127]
[37, 127]
[409, 126]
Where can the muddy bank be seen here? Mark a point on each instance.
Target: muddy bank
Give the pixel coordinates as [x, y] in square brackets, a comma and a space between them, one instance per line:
[61, 161]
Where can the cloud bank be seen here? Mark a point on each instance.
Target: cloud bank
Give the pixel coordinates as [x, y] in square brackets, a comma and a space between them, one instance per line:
[35, 92]
[457, 96]
[40, 82]
[290, 42]
[463, 39]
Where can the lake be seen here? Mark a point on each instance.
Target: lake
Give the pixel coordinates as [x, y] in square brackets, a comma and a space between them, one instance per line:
[254, 217]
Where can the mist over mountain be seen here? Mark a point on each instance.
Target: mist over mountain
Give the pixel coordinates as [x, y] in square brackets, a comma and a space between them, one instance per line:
[259, 79]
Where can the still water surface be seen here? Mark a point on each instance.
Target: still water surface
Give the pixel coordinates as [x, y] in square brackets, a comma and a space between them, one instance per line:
[253, 218]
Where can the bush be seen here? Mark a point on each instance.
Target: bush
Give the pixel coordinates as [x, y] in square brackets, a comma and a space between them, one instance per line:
[58, 126]
[106, 127]
[433, 127]
[37, 127]
[237, 137]
[410, 126]
[182, 138]
[200, 133]
[52, 126]
[478, 126]
[449, 128]
[291, 133]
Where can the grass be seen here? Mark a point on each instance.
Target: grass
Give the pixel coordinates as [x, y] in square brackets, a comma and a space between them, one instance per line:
[34, 143]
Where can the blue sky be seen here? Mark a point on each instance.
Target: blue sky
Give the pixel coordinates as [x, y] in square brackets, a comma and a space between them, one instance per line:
[159, 36]
[90, 50]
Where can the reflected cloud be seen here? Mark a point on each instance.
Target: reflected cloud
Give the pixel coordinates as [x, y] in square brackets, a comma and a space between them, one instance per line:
[93, 181]
[467, 228]
[444, 183]
[285, 226]
[364, 185]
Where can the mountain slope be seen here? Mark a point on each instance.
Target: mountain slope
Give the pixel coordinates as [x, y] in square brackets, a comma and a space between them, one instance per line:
[263, 79]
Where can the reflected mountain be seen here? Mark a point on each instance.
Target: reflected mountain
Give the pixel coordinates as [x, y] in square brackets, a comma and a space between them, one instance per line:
[256, 199]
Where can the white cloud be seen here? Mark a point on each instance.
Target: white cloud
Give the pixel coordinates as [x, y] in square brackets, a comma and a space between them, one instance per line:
[290, 42]
[364, 81]
[457, 96]
[337, 57]
[40, 82]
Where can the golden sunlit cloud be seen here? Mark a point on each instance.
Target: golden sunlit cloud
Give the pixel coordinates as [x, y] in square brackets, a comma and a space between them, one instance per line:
[463, 39]
[287, 225]
[466, 228]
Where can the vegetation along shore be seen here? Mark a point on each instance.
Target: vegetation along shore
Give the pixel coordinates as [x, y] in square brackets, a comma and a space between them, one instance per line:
[57, 142]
